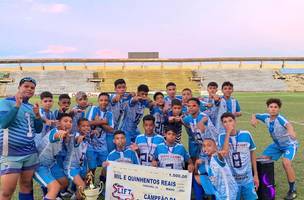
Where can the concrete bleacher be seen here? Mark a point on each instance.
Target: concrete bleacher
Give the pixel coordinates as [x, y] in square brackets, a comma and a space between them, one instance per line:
[294, 78]
[243, 80]
[57, 82]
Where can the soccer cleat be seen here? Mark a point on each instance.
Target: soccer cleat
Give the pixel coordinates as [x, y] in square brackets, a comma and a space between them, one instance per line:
[291, 195]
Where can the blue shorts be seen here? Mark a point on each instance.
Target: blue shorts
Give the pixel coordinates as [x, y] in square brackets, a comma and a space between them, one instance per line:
[45, 175]
[72, 172]
[275, 152]
[247, 192]
[18, 164]
[110, 142]
[194, 149]
[96, 158]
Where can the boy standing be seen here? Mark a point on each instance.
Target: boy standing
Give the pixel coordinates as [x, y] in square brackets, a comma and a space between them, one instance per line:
[157, 110]
[79, 109]
[171, 92]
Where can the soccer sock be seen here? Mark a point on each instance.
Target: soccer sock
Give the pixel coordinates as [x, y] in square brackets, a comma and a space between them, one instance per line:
[44, 190]
[198, 190]
[26, 196]
[292, 186]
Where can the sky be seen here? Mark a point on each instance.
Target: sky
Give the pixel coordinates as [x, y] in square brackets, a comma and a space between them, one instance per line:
[174, 28]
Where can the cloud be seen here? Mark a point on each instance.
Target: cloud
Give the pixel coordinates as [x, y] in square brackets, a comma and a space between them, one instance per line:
[108, 54]
[58, 49]
[50, 8]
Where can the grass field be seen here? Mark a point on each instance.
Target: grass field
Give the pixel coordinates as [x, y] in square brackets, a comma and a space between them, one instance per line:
[255, 102]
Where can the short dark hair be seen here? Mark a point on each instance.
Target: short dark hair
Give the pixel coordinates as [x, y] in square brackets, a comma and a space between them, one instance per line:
[46, 94]
[227, 83]
[82, 120]
[176, 102]
[119, 132]
[171, 127]
[149, 118]
[210, 139]
[187, 89]
[195, 99]
[170, 84]
[226, 115]
[212, 84]
[142, 88]
[119, 82]
[274, 100]
[27, 79]
[104, 94]
[157, 94]
[62, 115]
[64, 96]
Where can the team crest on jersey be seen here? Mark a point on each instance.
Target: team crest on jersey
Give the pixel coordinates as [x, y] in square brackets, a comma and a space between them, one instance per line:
[122, 193]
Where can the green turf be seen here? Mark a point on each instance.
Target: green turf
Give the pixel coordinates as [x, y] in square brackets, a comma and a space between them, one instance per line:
[255, 102]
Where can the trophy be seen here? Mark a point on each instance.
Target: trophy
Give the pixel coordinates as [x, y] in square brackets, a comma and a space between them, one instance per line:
[91, 192]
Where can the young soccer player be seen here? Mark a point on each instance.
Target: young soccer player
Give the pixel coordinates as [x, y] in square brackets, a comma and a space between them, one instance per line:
[170, 154]
[174, 118]
[79, 109]
[118, 101]
[47, 116]
[213, 101]
[284, 140]
[75, 164]
[227, 104]
[146, 143]
[121, 153]
[134, 112]
[223, 183]
[186, 95]
[19, 122]
[171, 92]
[157, 110]
[100, 120]
[241, 157]
[64, 105]
[200, 127]
[50, 174]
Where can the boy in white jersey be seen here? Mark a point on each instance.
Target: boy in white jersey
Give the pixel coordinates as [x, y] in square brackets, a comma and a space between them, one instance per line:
[241, 157]
[145, 144]
[224, 184]
[171, 92]
[284, 143]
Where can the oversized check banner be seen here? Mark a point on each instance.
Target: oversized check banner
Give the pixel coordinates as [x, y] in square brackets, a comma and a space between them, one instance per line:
[135, 182]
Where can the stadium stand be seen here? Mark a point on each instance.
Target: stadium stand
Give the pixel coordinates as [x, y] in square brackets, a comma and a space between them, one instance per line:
[294, 78]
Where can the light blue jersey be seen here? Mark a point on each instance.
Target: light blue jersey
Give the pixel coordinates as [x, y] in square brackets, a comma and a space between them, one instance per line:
[18, 128]
[118, 109]
[159, 116]
[49, 148]
[222, 180]
[278, 131]
[126, 156]
[230, 105]
[171, 157]
[147, 146]
[134, 112]
[76, 117]
[99, 142]
[45, 115]
[212, 111]
[168, 100]
[239, 158]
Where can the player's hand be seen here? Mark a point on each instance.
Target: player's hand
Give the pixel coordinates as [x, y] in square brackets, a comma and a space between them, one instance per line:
[201, 124]
[216, 97]
[178, 119]
[229, 129]
[117, 97]
[61, 134]
[209, 105]
[48, 122]
[171, 118]
[134, 147]
[190, 168]
[36, 110]
[254, 122]
[198, 161]
[154, 163]
[223, 153]
[256, 182]
[19, 99]
[105, 164]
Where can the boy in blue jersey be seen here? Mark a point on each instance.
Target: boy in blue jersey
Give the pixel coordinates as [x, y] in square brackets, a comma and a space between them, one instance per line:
[241, 157]
[172, 155]
[100, 120]
[284, 143]
[171, 92]
[64, 103]
[157, 110]
[174, 118]
[79, 109]
[121, 153]
[224, 186]
[146, 143]
[50, 174]
[75, 164]
[118, 101]
[48, 117]
[186, 95]
[19, 122]
[212, 102]
[134, 112]
[227, 104]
